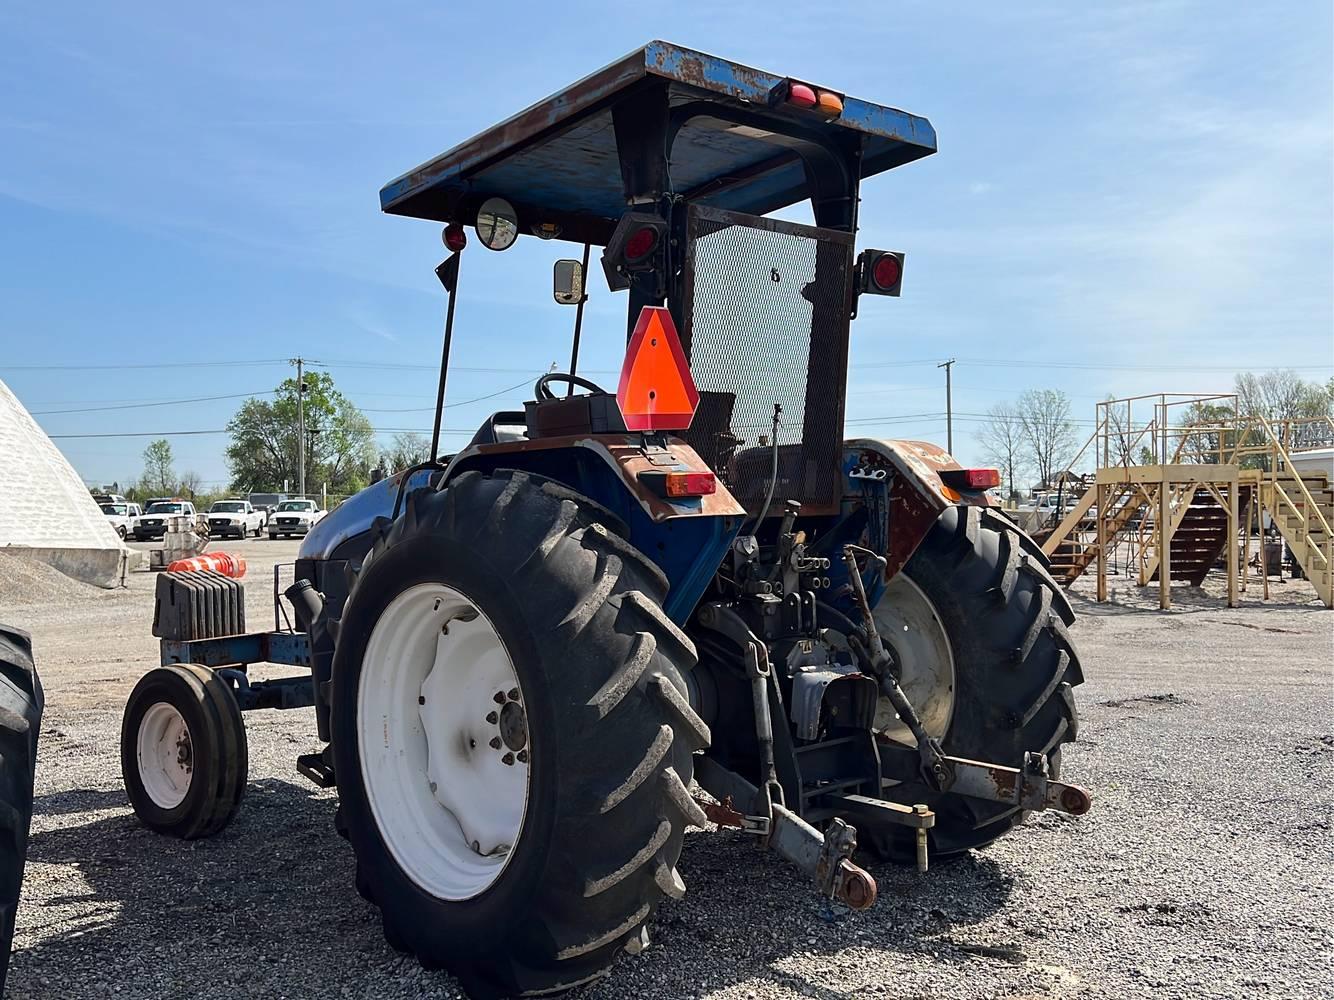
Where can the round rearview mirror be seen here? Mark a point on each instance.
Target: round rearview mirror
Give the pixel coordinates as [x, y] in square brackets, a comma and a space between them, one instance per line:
[497, 224]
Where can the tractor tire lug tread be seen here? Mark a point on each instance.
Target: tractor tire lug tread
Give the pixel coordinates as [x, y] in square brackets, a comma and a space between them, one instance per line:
[592, 603]
[1016, 666]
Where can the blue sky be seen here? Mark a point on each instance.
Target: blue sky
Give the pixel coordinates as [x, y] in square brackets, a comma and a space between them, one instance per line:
[1142, 190]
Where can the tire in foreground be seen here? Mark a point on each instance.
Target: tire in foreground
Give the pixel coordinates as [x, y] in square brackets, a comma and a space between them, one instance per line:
[21, 703]
[519, 836]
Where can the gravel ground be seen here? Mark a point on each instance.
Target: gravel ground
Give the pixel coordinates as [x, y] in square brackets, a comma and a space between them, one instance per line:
[1204, 869]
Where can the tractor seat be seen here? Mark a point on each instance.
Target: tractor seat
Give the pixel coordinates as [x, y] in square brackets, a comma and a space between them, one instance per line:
[501, 428]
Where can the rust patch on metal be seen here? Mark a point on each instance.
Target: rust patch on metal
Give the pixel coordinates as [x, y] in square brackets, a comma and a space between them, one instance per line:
[1076, 801]
[1006, 781]
[917, 495]
[858, 890]
[722, 813]
[625, 454]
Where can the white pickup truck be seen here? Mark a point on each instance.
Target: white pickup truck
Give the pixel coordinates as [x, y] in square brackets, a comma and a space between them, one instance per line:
[158, 514]
[294, 517]
[234, 517]
[122, 515]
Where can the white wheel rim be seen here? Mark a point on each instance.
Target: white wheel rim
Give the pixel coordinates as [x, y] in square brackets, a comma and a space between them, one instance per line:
[446, 775]
[165, 753]
[908, 621]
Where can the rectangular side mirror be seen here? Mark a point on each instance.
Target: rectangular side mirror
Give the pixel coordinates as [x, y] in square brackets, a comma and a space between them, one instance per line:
[567, 279]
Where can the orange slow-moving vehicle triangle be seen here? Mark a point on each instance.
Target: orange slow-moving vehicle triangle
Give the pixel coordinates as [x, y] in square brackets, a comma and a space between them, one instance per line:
[656, 392]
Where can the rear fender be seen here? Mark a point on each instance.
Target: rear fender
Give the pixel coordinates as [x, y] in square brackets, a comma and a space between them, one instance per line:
[687, 538]
[907, 474]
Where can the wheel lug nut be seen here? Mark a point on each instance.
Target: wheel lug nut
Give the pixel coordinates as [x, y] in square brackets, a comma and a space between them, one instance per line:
[495, 742]
[508, 759]
[499, 698]
[514, 694]
[491, 717]
[522, 756]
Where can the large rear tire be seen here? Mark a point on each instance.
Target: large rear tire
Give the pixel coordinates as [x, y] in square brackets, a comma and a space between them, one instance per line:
[21, 703]
[541, 587]
[1013, 669]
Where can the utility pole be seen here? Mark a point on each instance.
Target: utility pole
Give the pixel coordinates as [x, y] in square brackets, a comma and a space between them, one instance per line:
[300, 426]
[949, 407]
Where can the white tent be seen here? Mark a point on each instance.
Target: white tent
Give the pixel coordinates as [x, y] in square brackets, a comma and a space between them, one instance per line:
[45, 509]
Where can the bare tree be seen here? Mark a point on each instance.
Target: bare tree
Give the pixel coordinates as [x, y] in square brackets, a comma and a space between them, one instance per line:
[1120, 447]
[1284, 395]
[406, 450]
[191, 482]
[1044, 417]
[1002, 439]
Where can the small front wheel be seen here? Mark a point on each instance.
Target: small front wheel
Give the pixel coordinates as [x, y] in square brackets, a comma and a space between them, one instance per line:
[183, 751]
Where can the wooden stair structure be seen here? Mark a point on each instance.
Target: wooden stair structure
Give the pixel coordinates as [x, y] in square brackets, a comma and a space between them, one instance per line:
[1302, 508]
[1199, 538]
[1188, 504]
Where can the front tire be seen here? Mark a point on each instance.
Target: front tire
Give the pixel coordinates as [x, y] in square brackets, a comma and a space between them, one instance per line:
[183, 752]
[21, 703]
[538, 581]
[1013, 667]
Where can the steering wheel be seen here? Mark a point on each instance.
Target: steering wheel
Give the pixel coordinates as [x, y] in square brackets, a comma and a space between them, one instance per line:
[543, 386]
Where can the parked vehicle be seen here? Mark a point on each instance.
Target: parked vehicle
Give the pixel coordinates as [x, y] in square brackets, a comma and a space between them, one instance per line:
[153, 523]
[294, 517]
[267, 502]
[235, 517]
[124, 516]
[522, 656]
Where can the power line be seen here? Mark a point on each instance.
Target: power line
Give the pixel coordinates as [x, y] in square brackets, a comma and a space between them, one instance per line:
[164, 402]
[162, 364]
[1098, 366]
[461, 402]
[138, 434]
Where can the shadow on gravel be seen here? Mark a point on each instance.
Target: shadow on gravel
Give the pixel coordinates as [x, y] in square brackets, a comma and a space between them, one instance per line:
[248, 912]
[750, 918]
[76, 800]
[268, 908]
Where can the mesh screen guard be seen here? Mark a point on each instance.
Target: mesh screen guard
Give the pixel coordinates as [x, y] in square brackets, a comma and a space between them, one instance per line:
[765, 316]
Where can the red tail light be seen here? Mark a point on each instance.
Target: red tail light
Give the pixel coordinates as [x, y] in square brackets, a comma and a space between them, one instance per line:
[691, 484]
[640, 244]
[455, 238]
[801, 95]
[887, 272]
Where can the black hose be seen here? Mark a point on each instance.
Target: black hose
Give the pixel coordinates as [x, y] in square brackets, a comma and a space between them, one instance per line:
[841, 621]
[773, 472]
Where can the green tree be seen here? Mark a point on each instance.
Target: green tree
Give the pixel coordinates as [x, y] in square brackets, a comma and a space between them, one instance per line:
[1208, 433]
[340, 442]
[159, 478]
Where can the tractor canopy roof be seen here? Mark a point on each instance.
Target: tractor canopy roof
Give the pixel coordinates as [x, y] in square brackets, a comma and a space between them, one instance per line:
[726, 136]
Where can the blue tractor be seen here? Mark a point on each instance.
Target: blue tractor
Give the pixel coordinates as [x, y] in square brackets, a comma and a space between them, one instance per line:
[527, 659]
